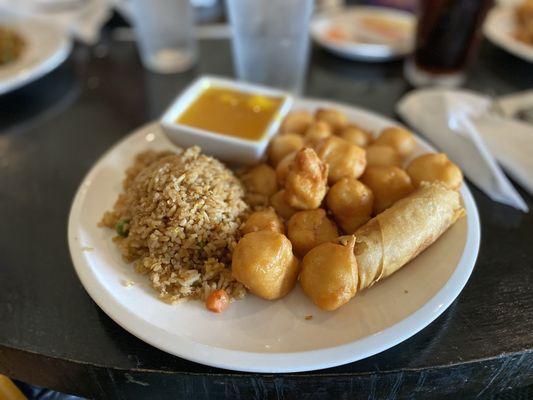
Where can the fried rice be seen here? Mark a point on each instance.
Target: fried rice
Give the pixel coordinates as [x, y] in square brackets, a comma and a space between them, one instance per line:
[178, 220]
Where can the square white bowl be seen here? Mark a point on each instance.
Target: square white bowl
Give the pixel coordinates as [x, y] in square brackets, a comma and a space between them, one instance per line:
[231, 149]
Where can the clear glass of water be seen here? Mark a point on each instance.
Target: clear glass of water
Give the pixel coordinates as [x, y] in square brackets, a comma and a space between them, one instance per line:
[271, 41]
[165, 34]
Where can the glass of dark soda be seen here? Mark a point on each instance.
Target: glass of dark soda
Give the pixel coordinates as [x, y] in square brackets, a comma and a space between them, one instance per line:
[448, 32]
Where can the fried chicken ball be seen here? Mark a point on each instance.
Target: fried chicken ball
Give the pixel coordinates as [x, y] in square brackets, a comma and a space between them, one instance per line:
[260, 179]
[382, 156]
[343, 158]
[280, 205]
[389, 184]
[296, 122]
[266, 219]
[263, 262]
[329, 274]
[435, 167]
[334, 118]
[282, 170]
[351, 203]
[306, 182]
[316, 131]
[356, 135]
[398, 138]
[282, 145]
[307, 229]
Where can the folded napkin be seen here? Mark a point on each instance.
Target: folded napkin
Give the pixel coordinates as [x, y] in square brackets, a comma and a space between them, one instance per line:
[81, 18]
[462, 125]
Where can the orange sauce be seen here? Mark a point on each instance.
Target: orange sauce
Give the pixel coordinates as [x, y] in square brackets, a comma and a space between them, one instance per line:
[230, 112]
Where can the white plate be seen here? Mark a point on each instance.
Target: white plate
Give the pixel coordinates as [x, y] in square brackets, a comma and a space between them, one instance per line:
[254, 334]
[46, 47]
[499, 28]
[372, 47]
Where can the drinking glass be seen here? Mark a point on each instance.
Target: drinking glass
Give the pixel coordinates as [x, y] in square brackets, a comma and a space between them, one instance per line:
[271, 41]
[446, 38]
[165, 34]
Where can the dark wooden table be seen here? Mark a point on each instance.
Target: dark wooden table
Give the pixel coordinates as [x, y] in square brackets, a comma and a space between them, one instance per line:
[52, 334]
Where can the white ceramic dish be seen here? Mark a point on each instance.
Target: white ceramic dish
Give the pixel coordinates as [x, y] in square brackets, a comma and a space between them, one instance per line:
[499, 28]
[224, 147]
[348, 20]
[254, 334]
[46, 47]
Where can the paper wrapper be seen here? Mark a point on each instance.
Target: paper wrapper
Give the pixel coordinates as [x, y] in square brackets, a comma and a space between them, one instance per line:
[462, 124]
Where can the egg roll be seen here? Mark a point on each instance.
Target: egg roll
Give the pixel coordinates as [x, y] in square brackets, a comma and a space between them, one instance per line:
[397, 235]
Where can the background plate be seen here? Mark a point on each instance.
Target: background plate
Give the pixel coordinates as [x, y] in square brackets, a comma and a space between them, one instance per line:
[46, 47]
[254, 334]
[347, 18]
[499, 28]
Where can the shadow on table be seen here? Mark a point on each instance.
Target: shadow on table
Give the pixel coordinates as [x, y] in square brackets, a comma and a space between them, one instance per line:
[140, 355]
[43, 100]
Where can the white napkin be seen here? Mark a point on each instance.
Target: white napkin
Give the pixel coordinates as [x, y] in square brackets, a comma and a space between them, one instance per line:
[81, 18]
[461, 124]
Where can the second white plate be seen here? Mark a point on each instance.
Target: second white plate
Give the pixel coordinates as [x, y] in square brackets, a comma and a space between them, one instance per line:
[365, 33]
[254, 334]
[499, 28]
[46, 47]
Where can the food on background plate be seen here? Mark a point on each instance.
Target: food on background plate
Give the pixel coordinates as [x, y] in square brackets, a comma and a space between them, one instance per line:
[435, 167]
[369, 29]
[264, 262]
[388, 184]
[11, 45]
[524, 22]
[388, 27]
[231, 112]
[186, 220]
[178, 220]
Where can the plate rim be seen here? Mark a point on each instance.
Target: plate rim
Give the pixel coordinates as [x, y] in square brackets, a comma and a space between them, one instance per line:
[45, 65]
[299, 361]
